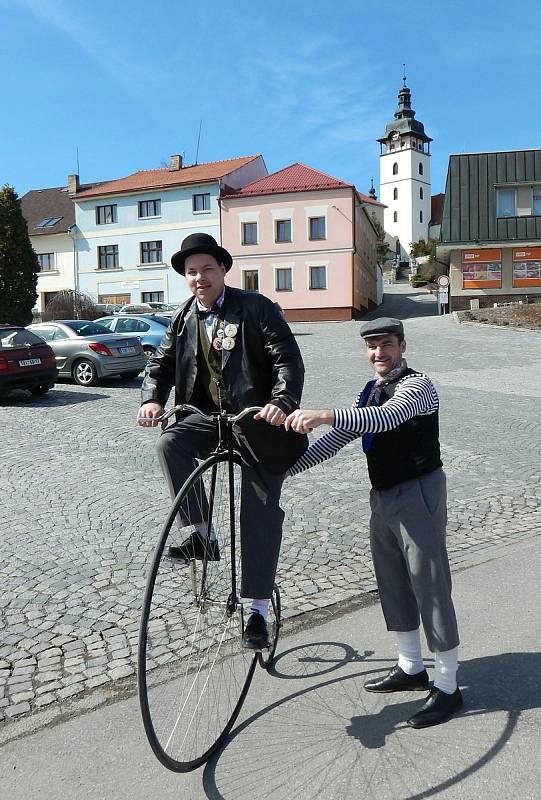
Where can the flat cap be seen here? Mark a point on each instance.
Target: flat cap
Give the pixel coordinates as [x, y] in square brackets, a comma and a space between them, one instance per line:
[381, 326]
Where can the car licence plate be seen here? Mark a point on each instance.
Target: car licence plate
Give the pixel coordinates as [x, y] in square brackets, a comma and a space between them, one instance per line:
[29, 362]
[127, 350]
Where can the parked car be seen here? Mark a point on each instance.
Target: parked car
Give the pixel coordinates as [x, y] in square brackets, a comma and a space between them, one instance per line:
[147, 308]
[149, 328]
[108, 308]
[26, 361]
[89, 352]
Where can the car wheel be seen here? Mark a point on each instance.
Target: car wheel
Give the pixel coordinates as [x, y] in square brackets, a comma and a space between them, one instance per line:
[43, 388]
[85, 373]
[131, 375]
[148, 351]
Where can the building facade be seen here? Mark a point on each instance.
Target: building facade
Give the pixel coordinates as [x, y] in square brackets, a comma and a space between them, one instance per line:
[50, 218]
[127, 229]
[491, 228]
[304, 239]
[405, 188]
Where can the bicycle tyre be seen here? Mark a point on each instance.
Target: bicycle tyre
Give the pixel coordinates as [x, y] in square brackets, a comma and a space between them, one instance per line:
[194, 674]
[274, 623]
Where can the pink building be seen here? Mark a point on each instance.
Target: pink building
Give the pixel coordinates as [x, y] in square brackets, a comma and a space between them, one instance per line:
[306, 240]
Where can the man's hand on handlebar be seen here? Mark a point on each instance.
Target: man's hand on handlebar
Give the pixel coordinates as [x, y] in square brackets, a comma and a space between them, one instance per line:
[272, 414]
[148, 413]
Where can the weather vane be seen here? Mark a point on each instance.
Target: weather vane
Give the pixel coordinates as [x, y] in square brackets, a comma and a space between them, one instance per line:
[404, 75]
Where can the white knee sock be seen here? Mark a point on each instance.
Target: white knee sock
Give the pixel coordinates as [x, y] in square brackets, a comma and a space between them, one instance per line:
[202, 528]
[260, 607]
[408, 644]
[445, 669]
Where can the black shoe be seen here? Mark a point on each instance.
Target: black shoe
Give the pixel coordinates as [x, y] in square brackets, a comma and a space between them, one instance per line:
[438, 707]
[397, 681]
[256, 635]
[196, 546]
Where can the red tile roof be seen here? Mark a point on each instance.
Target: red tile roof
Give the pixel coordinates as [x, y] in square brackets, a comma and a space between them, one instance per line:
[365, 198]
[295, 178]
[163, 178]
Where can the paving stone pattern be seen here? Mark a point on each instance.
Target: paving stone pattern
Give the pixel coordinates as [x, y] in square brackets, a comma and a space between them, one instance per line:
[83, 498]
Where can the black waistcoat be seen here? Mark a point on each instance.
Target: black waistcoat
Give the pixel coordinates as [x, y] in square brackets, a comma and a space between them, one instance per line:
[410, 450]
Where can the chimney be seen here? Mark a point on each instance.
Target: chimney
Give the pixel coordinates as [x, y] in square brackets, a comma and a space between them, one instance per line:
[175, 163]
[73, 184]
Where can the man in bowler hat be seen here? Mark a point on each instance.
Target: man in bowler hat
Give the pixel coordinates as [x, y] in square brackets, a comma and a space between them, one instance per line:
[228, 349]
[397, 416]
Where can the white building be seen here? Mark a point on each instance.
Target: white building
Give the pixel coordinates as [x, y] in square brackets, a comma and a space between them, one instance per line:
[50, 218]
[128, 229]
[405, 177]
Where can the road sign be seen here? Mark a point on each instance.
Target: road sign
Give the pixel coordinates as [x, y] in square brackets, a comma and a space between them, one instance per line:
[443, 281]
[443, 296]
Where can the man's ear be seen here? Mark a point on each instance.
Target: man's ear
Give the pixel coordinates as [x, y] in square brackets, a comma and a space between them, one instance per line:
[403, 346]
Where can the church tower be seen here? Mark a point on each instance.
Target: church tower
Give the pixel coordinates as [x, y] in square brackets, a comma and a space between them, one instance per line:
[405, 177]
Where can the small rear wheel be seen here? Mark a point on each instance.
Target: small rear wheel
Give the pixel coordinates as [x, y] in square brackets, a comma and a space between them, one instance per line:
[194, 673]
[274, 622]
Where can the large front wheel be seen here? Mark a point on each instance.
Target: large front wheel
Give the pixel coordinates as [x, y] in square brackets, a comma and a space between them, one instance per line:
[193, 671]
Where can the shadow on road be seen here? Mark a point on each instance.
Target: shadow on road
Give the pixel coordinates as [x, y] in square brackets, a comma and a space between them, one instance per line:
[55, 397]
[330, 733]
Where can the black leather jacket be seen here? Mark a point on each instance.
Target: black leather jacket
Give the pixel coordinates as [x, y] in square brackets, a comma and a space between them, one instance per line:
[265, 366]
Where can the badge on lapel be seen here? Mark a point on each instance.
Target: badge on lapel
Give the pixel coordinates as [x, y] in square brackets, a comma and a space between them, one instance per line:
[225, 336]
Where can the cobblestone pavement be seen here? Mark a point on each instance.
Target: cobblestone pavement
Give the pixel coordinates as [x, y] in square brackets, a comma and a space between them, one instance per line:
[82, 497]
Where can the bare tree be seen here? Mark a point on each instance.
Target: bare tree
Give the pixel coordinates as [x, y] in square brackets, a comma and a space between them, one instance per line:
[69, 304]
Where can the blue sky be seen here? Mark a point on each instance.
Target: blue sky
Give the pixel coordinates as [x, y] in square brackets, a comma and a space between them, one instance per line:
[127, 82]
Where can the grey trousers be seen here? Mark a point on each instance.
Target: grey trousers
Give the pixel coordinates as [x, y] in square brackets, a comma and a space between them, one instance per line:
[407, 536]
[261, 517]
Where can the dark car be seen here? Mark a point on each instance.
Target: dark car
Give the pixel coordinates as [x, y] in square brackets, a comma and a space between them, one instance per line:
[89, 352]
[26, 361]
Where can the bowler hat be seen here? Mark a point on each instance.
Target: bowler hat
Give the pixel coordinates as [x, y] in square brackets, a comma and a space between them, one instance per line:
[381, 326]
[200, 243]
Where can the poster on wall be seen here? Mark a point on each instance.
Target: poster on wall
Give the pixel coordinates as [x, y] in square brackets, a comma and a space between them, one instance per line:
[482, 269]
[527, 266]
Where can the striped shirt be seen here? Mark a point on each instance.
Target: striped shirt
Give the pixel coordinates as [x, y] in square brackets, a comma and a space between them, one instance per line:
[414, 396]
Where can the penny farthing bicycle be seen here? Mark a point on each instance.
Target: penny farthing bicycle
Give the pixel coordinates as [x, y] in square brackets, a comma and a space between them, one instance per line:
[194, 673]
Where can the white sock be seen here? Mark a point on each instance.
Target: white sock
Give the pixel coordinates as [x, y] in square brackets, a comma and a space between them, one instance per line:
[445, 669]
[202, 528]
[408, 644]
[260, 607]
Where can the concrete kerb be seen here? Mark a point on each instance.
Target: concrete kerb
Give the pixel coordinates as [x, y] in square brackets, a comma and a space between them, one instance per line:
[293, 622]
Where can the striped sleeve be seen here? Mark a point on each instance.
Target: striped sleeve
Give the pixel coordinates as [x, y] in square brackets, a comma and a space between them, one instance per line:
[324, 448]
[414, 396]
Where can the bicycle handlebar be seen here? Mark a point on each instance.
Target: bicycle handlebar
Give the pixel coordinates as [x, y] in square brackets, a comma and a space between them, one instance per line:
[188, 407]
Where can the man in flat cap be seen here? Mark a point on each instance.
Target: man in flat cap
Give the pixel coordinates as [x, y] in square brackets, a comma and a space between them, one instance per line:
[397, 416]
[227, 349]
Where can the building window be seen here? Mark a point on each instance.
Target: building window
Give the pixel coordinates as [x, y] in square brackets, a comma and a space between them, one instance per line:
[420, 169]
[152, 297]
[420, 216]
[105, 215]
[46, 262]
[201, 202]
[250, 280]
[283, 230]
[395, 216]
[317, 228]
[536, 201]
[318, 277]
[395, 194]
[151, 252]
[108, 256]
[421, 195]
[506, 202]
[284, 281]
[395, 168]
[150, 208]
[249, 232]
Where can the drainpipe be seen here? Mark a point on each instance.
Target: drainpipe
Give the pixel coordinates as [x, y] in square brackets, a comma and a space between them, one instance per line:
[354, 252]
[72, 234]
